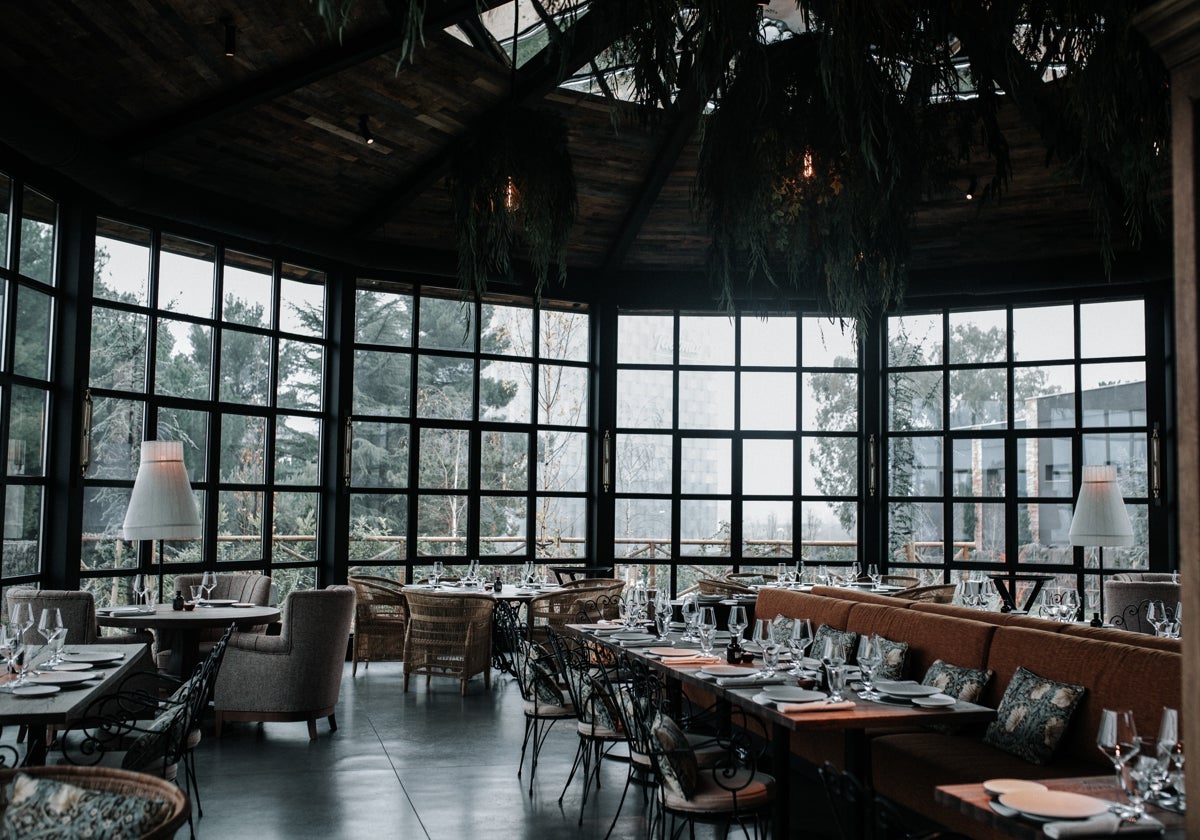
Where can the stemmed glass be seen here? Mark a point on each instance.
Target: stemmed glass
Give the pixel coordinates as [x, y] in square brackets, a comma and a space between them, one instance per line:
[1117, 738]
[706, 626]
[737, 622]
[140, 585]
[690, 609]
[1170, 749]
[436, 572]
[834, 659]
[22, 619]
[1069, 605]
[855, 571]
[208, 581]
[798, 641]
[1156, 614]
[870, 657]
[874, 575]
[50, 625]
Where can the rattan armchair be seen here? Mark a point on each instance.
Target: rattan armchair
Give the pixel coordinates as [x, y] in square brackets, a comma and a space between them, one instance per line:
[907, 581]
[172, 815]
[448, 636]
[593, 583]
[938, 593]
[380, 619]
[723, 587]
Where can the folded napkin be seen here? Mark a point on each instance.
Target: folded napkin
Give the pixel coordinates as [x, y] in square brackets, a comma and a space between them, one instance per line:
[755, 680]
[689, 660]
[637, 644]
[818, 706]
[1101, 825]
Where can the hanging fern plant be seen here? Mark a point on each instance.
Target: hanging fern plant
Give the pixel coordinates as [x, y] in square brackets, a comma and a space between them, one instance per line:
[513, 183]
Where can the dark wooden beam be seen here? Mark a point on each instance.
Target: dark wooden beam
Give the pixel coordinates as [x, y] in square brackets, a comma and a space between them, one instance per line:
[482, 39]
[539, 76]
[275, 83]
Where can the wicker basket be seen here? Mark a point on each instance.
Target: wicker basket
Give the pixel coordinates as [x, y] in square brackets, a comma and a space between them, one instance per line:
[124, 782]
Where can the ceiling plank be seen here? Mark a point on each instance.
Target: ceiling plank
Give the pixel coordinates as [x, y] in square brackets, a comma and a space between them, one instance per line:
[283, 80]
[539, 76]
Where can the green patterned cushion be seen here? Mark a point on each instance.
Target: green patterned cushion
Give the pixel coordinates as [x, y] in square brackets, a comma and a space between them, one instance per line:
[155, 740]
[599, 707]
[46, 808]
[847, 638]
[541, 676]
[891, 665]
[783, 628]
[1033, 716]
[963, 683]
[677, 760]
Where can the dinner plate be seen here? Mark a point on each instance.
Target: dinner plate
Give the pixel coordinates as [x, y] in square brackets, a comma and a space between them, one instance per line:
[669, 651]
[72, 666]
[597, 626]
[218, 602]
[997, 787]
[791, 694]
[35, 690]
[905, 689]
[124, 611]
[93, 656]
[630, 636]
[726, 671]
[934, 701]
[61, 678]
[243, 605]
[1054, 804]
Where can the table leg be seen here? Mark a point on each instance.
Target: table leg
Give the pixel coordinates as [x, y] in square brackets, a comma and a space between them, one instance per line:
[1010, 602]
[781, 769]
[1034, 591]
[35, 745]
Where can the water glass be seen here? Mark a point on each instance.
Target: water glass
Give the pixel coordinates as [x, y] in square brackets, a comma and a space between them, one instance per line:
[196, 592]
[874, 575]
[770, 653]
[870, 657]
[835, 676]
[690, 610]
[661, 623]
[1117, 738]
[705, 634]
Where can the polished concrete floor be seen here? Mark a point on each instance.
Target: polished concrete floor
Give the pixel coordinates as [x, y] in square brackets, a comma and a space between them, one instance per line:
[427, 764]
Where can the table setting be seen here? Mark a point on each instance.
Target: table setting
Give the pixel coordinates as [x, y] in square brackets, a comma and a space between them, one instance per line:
[1064, 814]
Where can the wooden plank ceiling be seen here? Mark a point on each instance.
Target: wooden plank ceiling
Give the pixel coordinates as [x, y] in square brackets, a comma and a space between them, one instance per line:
[144, 86]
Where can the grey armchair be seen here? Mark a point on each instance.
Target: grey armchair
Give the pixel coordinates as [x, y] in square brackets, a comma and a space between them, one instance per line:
[296, 675]
[247, 588]
[78, 613]
[1126, 595]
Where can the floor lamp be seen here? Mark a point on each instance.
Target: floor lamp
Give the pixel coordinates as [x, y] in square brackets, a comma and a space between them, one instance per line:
[1100, 517]
[161, 506]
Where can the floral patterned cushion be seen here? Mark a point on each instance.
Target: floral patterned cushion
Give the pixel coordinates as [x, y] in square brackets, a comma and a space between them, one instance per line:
[891, 665]
[47, 808]
[677, 760]
[155, 740]
[1033, 715]
[847, 638]
[964, 683]
[541, 677]
[599, 707]
[783, 628]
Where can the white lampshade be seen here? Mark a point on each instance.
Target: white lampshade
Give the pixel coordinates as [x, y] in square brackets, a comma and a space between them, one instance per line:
[1100, 516]
[161, 506]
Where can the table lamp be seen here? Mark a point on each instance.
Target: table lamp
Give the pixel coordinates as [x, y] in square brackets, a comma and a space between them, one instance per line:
[1100, 517]
[161, 506]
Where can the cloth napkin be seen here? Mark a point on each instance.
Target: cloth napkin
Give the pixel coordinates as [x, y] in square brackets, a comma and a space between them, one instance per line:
[735, 682]
[1101, 825]
[646, 643]
[819, 706]
[689, 660]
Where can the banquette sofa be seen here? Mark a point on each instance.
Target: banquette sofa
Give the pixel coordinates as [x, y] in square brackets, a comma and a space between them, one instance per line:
[1116, 669]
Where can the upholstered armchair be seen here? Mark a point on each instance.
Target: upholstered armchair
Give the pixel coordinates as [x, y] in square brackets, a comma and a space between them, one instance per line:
[448, 636]
[296, 675]
[78, 613]
[1127, 593]
[243, 587]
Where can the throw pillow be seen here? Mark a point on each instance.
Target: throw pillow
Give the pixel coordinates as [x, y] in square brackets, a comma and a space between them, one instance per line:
[541, 677]
[848, 639]
[891, 664]
[783, 628]
[50, 808]
[1033, 715]
[963, 683]
[155, 740]
[677, 760]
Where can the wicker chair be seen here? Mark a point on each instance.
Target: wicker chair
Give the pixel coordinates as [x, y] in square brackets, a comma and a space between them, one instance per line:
[900, 580]
[593, 583]
[174, 810]
[449, 636]
[296, 675]
[556, 609]
[747, 578]
[722, 586]
[380, 618]
[938, 593]
[78, 613]
[566, 574]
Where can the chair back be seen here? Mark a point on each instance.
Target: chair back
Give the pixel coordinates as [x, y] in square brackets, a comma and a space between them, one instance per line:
[78, 612]
[726, 588]
[448, 634]
[244, 587]
[566, 574]
[554, 610]
[938, 593]
[1125, 601]
[900, 580]
[172, 815]
[592, 583]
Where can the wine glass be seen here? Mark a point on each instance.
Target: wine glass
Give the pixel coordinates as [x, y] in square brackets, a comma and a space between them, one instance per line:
[1069, 605]
[855, 571]
[209, 582]
[1170, 748]
[1156, 614]
[690, 609]
[737, 622]
[798, 641]
[870, 657]
[50, 625]
[141, 583]
[874, 575]
[706, 625]
[1117, 738]
[435, 574]
[22, 620]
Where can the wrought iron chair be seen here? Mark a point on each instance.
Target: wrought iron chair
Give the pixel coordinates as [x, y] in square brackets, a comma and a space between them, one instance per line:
[380, 619]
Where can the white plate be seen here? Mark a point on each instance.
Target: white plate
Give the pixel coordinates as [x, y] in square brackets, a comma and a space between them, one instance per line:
[243, 605]
[997, 787]
[61, 678]
[904, 689]
[35, 690]
[669, 651]
[124, 611]
[72, 666]
[1054, 804]
[218, 602]
[727, 671]
[93, 656]
[934, 701]
[630, 637]
[791, 694]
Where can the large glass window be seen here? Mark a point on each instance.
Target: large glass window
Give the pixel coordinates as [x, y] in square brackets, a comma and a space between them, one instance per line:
[29, 238]
[469, 433]
[224, 351]
[991, 413]
[736, 443]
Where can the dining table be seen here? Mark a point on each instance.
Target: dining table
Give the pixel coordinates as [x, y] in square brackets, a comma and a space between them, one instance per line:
[854, 721]
[60, 708]
[975, 801]
[180, 630]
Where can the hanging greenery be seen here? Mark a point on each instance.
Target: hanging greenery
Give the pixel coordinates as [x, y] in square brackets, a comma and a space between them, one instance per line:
[513, 182]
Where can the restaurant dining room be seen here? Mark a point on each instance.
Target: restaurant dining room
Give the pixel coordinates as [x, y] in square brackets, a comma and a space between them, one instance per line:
[599, 419]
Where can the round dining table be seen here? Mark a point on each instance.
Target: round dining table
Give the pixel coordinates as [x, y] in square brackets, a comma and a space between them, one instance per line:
[183, 627]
